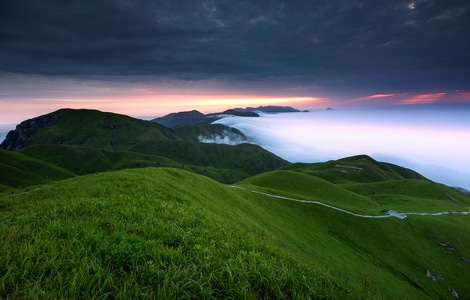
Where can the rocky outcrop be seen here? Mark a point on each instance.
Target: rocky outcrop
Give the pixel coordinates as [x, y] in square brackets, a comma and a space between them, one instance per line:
[20, 137]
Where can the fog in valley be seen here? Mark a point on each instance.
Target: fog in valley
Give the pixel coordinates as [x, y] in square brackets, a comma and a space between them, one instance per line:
[435, 143]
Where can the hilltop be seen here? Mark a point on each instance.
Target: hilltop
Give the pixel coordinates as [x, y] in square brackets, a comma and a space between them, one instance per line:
[192, 117]
[84, 127]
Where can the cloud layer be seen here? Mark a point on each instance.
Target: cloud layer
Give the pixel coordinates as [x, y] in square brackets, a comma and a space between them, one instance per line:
[338, 44]
[434, 142]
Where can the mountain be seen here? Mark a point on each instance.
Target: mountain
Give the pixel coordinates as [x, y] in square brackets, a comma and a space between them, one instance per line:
[84, 127]
[139, 210]
[240, 113]
[195, 117]
[192, 117]
[270, 109]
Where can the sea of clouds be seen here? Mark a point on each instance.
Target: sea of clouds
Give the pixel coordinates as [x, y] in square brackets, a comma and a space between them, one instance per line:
[435, 143]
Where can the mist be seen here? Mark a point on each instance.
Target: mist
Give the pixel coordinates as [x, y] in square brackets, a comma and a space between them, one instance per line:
[4, 129]
[435, 143]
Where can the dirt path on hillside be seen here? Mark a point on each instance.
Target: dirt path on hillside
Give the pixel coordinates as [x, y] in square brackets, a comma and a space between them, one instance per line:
[389, 214]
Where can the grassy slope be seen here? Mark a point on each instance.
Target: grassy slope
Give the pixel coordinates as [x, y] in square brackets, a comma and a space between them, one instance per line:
[302, 186]
[406, 248]
[144, 233]
[85, 160]
[169, 233]
[413, 194]
[244, 158]
[387, 185]
[18, 171]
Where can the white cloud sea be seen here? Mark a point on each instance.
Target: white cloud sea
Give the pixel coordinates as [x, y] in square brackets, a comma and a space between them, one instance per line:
[434, 143]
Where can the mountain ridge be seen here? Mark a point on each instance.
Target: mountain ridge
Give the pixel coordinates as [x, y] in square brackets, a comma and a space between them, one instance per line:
[195, 117]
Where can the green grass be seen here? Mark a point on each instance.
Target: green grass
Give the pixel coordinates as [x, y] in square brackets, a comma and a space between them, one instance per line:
[167, 233]
[150, 233]
[302, 186]
[413, 195]
[19, 171]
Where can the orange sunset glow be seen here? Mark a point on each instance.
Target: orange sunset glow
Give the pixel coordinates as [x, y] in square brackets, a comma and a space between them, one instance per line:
[153, 105]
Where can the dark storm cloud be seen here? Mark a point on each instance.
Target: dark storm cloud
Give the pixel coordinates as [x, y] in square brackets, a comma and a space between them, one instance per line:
[391, 43]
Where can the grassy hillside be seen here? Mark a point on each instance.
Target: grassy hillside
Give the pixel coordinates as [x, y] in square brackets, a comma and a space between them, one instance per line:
[168, 233]
[386, 185]
[303, 186]
[157, 233]
[406, 195]
[19, 171]
[360, 168]
[84, 160]
[244, 158]
[413, 194]
[92, 128]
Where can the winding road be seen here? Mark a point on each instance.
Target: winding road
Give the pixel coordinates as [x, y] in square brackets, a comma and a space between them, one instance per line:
[390, 213]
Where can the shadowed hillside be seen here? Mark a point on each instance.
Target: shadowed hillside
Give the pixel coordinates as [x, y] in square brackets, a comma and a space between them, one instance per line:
[211, 132]
[18, 170]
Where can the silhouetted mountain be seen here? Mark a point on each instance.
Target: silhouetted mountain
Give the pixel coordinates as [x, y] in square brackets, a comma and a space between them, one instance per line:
[240, 113]
[195, 117]
[270, 109]
[192, 117]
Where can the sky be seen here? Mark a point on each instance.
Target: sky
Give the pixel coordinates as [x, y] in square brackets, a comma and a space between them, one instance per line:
[146, 58]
